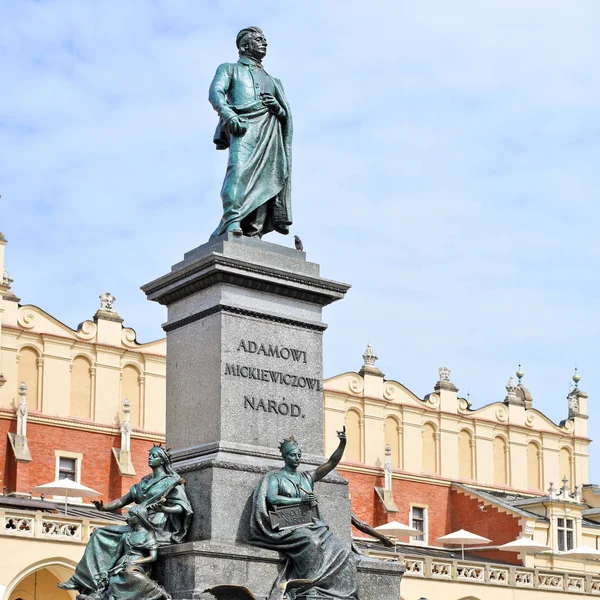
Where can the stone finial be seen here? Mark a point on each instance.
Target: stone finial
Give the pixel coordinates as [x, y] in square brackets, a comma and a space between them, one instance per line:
[126, 427]
[22, 410]
[6, 278]
[2, 379]
[511, 393]
[387, 468]
[107, 301]
[551, 491]
[444, 374]
[369, 358]
[564, 490]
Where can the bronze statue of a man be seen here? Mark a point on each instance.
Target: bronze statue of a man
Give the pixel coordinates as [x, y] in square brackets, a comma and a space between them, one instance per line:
[255, 123]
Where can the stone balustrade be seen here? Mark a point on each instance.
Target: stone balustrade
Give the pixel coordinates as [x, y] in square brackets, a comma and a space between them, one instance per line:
[486, 573]
[45, 526]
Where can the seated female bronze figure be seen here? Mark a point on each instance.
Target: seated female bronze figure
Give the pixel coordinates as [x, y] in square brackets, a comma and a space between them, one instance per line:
[314, 554]
[163, 495]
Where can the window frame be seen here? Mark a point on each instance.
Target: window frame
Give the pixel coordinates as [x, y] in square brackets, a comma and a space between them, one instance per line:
[562, 531]
[425, 519]
[78, 457]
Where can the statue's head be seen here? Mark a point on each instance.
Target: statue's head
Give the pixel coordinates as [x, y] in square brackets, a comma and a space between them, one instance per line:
[159, 455]
[290, 451]
[139, 514]
[251, 42]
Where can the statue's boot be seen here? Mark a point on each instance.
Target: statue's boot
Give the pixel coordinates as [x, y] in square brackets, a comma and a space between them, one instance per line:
[69, 584]
[235, 228]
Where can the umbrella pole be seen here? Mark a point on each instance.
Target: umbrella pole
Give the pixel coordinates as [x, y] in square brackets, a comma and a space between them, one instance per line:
[66, 509]
[463, 551]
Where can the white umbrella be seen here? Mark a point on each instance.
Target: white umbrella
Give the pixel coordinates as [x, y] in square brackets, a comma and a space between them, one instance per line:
[68, 489]
[524, 544]
[582, 552]
[396, 529]
[463, 538]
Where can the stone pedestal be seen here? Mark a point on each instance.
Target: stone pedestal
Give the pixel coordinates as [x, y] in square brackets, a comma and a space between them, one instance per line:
[244, 371]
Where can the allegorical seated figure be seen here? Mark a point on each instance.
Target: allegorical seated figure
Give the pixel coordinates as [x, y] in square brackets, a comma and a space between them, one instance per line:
[130, 578]
[314, 553]
[162, 495]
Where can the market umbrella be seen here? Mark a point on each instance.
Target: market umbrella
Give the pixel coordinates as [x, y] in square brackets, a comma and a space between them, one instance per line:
[524, 544]
[463, 538]
[582, 552]
[68, 489]
[396, 529]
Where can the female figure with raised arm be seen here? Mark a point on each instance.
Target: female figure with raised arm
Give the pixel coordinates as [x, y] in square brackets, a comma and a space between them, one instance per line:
[163, 495]
[314, 553]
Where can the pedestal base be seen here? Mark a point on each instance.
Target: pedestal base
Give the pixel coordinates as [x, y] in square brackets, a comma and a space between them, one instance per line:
[186, 570]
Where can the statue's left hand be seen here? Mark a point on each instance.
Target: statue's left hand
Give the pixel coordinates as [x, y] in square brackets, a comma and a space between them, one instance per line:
[271, 103]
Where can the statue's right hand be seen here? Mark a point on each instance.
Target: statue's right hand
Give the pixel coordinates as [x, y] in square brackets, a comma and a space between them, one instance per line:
[98, 504]
[237, 125]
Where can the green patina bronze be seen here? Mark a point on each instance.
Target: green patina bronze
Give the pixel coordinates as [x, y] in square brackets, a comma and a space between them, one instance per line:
[255, 124]
[166, 514]
[324, 565]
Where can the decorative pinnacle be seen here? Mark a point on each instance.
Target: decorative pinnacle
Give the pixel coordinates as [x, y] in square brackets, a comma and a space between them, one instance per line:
[22, 389]
[106, 301]
[369, 356]
[576, 378]
[519, 374]
[444, 373]
[388, 450]
[511, 386]
[126, 406]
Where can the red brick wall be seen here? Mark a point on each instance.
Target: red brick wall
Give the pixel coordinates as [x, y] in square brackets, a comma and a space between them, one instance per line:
[368, 507]
[447, 511]
[500, 527]
[99, 468]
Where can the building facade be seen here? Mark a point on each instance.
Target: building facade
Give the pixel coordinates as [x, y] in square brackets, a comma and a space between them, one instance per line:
[88, 402]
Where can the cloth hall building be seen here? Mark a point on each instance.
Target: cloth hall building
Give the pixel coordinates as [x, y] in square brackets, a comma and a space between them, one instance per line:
[87, 402]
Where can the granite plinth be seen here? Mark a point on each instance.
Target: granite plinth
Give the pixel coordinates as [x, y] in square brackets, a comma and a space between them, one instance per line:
[188, 569]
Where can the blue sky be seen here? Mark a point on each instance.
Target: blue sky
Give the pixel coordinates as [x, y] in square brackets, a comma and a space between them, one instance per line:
[445, 164]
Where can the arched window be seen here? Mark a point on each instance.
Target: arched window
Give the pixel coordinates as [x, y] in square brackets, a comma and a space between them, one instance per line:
[81, 388]
[28, 372]
[393, 437]
[500, 470]
[430, 462]
[565, 466]
[465, 455]
[533, 467]
[130, 389]
[354, 436]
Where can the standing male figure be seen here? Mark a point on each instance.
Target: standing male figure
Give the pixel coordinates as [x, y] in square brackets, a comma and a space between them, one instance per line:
[256, 125]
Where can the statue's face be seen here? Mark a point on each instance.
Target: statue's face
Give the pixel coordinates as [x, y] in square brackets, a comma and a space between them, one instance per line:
[292, 457]
[132, 519]
[154, 459]
[256, 46]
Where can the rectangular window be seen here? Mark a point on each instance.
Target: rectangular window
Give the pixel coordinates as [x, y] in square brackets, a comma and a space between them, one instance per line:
[566, 534]
[418, 520]
[67, 468]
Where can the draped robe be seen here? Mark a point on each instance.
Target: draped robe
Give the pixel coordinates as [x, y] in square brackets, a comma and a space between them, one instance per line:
[103, 550]
[256, 192]
[312, 551]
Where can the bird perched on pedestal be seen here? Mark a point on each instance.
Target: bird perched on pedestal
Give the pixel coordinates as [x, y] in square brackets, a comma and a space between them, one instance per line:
[298, 243]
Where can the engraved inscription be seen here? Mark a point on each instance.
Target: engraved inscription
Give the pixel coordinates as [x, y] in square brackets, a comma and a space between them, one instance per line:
[273, 406]
[252, 347]
[293, 515]
[268, 375]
